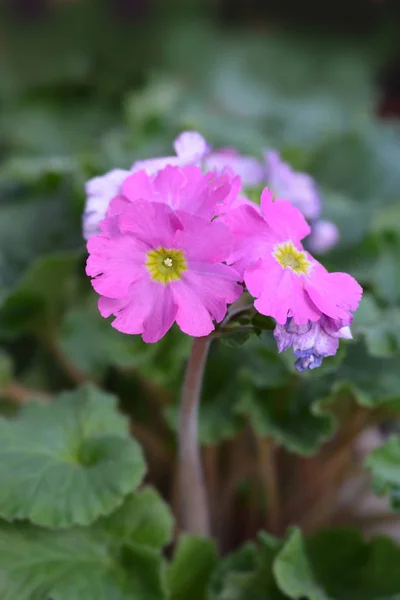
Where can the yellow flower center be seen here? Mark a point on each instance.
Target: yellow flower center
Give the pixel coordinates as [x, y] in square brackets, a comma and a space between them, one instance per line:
[165, 265]
[290, 258]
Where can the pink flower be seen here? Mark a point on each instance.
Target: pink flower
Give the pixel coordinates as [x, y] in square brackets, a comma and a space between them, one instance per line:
[285, 279]
[154, 266]
[185, 188]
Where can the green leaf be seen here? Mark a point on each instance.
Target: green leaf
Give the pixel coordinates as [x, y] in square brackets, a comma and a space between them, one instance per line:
[242, 561]
[92, 344]
[293, 572]
[30, 227]
[101, 562]
[384, 463]
[68, 462]
[247, 574]
[380, 327]
[144, 518]
[37, 301]
[190, 571]
[315, 569]
[290, 416]
[375, 381]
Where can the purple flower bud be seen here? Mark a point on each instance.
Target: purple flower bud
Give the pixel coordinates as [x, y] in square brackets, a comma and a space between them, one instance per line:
[311, 342]
[299, 188]
[324, 236]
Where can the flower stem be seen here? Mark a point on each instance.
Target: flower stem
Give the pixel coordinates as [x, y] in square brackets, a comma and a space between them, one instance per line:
[193, 497]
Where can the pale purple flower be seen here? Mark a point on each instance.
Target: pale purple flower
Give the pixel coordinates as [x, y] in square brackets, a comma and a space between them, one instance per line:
[299, 188]
[312, 342]
[100, 191]
[250, 170]
[190, 148]
[324, 236]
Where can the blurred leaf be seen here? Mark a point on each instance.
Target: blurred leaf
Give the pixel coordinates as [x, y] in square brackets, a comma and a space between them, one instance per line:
[314, 569]
[78, 563]
[374, 381]
[37, 301]
[92, 344]
[381, 328]
[293, 572]
[69, 462]
[29, 229]
[384, 464]
[247, 574]
[242, 560]
[289, 416]
[89, 341]
[189, 573]
[6, 369]
[144, 518]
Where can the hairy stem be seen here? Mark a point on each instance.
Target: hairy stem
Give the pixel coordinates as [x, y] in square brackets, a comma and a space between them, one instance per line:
[193, 497]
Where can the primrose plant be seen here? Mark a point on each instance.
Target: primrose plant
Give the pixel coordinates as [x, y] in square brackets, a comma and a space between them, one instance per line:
[174, 240]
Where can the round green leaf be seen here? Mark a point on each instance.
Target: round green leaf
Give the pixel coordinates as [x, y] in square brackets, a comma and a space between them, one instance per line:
[90, 563]
[68, 462]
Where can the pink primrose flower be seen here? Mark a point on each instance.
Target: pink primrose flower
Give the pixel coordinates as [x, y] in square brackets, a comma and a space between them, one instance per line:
[154, 266]
[285, 279]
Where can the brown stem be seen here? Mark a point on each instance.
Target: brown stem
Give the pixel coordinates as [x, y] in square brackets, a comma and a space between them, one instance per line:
[269, 478]
[22, 395]
[193, 497]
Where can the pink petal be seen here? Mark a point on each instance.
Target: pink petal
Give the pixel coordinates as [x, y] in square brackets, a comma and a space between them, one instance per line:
[204, 194]
[153, 223]
[335, 294]
[284, 219]
[138, 187]
[279, 293]
[117, 262]
[192, 316]
[203, 240]
[117, 205]
[110, 306]
[162, 316]
[130, 318]
[215, 287]
[168, 185]
[252, 238]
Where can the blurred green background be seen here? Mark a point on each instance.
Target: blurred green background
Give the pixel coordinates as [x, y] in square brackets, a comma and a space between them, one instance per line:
[90, 86]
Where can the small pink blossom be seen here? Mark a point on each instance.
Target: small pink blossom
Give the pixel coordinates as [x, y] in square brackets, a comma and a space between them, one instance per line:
[285, 279]
[154, 266]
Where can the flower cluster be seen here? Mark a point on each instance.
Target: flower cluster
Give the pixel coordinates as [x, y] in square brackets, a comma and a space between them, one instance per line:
[172, 240]
[192, 149]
